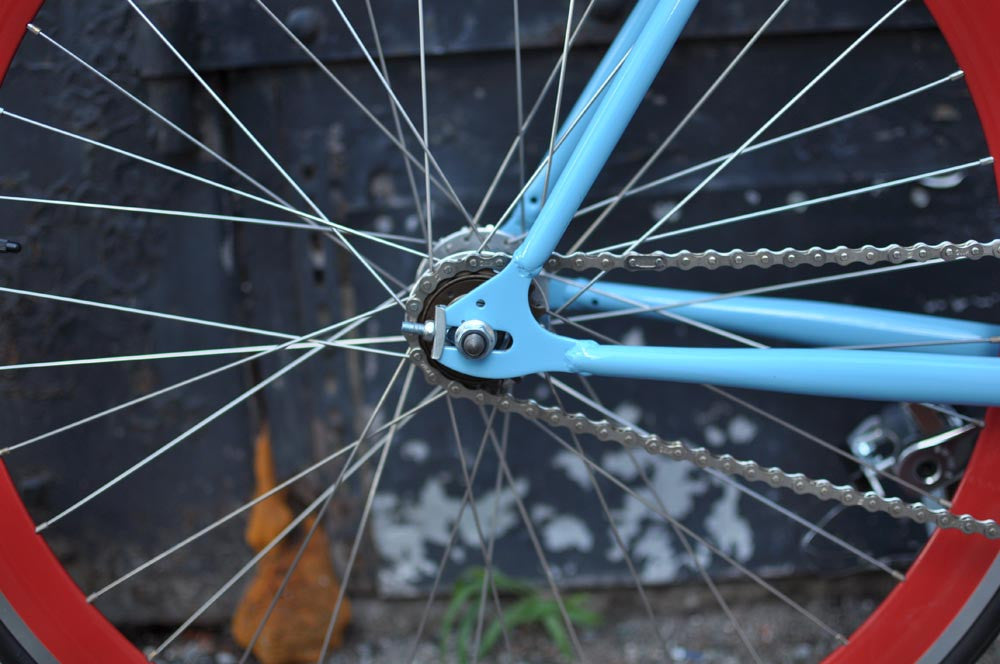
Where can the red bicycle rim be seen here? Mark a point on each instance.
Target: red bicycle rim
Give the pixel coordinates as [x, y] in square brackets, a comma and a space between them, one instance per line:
[940, 587]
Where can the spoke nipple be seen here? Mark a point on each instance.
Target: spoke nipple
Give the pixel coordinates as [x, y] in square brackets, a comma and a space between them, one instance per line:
[34, 29]
[9, 247]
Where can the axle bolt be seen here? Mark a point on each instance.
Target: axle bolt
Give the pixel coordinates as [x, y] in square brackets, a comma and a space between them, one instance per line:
[475, 339]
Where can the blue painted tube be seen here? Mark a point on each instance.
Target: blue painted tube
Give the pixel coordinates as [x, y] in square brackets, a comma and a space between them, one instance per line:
[612, 115]
[805, 322]
[626, 37]
[876, 375]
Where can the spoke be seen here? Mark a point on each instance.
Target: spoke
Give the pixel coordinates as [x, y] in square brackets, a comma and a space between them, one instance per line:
[763, 289]
[562, 139]
[517, 144]
[668, 141]
[35, 30]
[693, 535]
[260, 147]
[446, 555]
[427, 143]
[519, 88]
[617, 534]
[753, 137]
[836, 449]
[559, 94]
[402, 419]
[152, 162]
[346, 325]
[726, 334]
[830, 446]
[443, 184]
[402, 111]
[179, 439]
[323, 498]
[486, 551]
[955, 76]
[702, 572]
[185, 354]
[381, 238]
[145, 312]
[536, 544]
[398, 126]
[987, 161]
[919, 344]
[366, 513]
[326, 504]
[756, 495]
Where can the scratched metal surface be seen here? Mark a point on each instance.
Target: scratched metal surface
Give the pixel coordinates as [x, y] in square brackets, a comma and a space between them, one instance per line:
[291, 282]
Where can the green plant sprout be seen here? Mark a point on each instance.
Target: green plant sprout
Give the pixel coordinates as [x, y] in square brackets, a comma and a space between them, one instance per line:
[530, 607]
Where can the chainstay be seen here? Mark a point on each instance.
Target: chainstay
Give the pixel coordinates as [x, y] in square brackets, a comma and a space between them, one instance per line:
[751, 471]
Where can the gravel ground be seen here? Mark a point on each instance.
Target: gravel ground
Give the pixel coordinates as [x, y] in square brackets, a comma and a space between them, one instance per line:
[693, 627]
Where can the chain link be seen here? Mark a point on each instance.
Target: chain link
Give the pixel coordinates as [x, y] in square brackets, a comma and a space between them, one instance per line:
[751, 471]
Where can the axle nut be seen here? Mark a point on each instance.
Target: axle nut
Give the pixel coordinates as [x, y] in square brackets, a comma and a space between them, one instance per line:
[475, 339]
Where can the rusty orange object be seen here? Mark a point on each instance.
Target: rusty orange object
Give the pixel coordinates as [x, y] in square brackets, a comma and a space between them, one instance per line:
[294, 632]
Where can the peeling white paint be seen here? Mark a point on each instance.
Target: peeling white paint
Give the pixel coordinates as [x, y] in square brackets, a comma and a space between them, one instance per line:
[574, 467]
[629, 411]
[565, 532]
[728, 530]
[742, 430]
[714, 435]
[415, 450]
[408, 529]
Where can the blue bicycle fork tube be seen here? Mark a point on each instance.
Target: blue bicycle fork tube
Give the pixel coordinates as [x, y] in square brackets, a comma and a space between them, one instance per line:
[804, 322]
[613, 113]
[531, 202]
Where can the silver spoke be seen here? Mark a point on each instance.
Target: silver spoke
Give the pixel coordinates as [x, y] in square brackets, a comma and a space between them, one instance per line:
[775, 288]
[396, 122]
[176, 441]
[955, 76]
[347, 325]
[801, 205]
[537, 545]
[186, 354]
[753, 137]
[365, 514]
[387, 239]
[752, 493]
[276, 597]
[446, 555]
[559, 94]
[519, 94]
[406, 118]
[260, 147]
[616, 534]
[35, 30]
[693, 535]
[487, 552]
[402, 419]
[516, 146]
[548, 158]
[321, 499]
[443, 186]
[668, 141]
[726, 334]
[427, 150]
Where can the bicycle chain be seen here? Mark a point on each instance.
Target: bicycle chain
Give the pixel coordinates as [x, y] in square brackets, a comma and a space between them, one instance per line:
[604, 430]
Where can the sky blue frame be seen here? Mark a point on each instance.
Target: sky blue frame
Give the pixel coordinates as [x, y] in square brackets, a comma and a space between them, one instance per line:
[958, 374]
